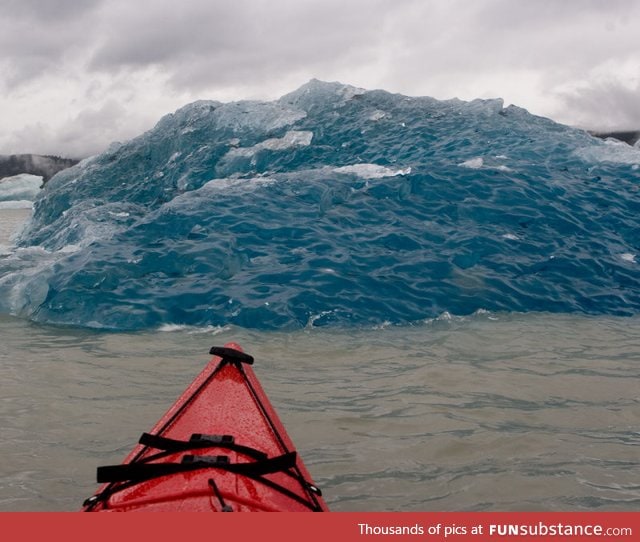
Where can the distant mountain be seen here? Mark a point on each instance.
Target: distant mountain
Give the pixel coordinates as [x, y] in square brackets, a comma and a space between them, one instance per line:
[631, 136]
[34, 164]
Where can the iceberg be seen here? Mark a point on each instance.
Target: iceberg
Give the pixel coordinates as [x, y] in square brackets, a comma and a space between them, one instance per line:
[332, 206]
[15, 191]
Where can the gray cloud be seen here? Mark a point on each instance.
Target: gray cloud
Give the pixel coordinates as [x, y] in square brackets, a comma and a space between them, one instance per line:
[47, 12]
[87, 133]
[37, 38]
[609, 105]
[64, 65]
[496, 34]
[225, 43]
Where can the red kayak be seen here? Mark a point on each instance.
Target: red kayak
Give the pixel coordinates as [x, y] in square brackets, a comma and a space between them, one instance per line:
[220, 448]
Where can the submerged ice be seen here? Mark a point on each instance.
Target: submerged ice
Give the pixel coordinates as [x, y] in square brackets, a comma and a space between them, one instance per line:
[333, 206]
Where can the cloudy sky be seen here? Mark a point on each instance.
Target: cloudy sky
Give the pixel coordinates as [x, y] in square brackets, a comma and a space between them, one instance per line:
[78, 74]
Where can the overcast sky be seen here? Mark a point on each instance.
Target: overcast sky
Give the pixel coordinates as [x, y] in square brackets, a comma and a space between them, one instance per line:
[78, 74]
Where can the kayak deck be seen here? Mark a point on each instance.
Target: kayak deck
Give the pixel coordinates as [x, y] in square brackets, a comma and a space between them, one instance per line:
[220, 447]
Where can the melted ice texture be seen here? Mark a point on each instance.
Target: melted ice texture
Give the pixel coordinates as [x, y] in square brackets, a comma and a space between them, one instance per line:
[333, 206]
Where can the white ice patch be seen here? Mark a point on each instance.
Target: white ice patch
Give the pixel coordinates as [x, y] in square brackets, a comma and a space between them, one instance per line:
[474, 163]
[226, 184]
[293, 138]
[372, 171]
[290, 140]
[20, 187]
[69, 249]
[229, 182]
[478, 163]
[377, 115]
[611, 150]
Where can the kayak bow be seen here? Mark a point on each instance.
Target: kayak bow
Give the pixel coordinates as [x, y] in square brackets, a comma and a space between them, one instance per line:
[221, 447]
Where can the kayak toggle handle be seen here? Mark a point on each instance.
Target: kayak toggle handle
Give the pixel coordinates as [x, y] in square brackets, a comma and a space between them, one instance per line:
[231, 355]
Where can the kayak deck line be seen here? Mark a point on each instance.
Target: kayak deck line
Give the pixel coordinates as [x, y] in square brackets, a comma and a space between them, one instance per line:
[192, 460]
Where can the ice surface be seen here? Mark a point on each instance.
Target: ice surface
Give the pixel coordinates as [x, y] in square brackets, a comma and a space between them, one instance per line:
[473, 163]
[611, 150]
[333, 206]
[372, 171]
[288, 141]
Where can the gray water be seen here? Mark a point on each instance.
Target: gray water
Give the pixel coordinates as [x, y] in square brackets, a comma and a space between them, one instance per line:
[11, 221]
[488, 412]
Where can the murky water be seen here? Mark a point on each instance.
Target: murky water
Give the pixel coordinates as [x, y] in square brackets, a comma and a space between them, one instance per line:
[493, 412]
[489, 412]
[10, 221]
